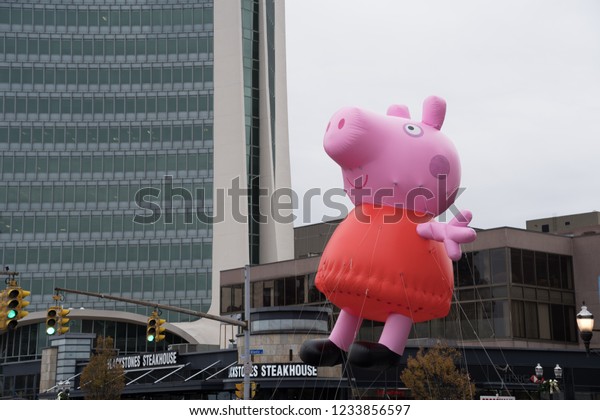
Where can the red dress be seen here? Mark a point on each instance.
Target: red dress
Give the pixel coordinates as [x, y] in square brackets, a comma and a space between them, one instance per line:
[381, 266]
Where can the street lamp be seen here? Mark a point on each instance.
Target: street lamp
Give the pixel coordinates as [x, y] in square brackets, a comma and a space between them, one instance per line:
[539, 371]
[558, 372]
[585, 323]
[551, 386]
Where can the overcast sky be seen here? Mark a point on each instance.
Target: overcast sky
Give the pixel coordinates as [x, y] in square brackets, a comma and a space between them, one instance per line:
[521, 80]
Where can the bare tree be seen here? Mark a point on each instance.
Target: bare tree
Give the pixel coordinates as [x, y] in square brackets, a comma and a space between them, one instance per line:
[102, 379]
[433, 375]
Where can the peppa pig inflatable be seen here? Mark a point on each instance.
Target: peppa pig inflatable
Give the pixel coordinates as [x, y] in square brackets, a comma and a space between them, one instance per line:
[389, 261]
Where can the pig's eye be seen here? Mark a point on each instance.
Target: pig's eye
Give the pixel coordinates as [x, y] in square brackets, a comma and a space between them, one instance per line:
[413, 130]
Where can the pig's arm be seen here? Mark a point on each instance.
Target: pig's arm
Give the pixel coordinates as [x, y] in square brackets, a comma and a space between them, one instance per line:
[452, 234]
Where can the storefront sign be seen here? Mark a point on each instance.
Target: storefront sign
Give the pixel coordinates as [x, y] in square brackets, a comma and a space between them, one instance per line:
[147, 360]
[496, 397]
[275, 370]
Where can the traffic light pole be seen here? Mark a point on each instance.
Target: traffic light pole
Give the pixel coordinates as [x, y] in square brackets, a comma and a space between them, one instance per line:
[247, 360]
[244, 324]
[198, 314]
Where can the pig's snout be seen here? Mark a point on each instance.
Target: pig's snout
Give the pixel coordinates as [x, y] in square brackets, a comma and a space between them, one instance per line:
[347, 138]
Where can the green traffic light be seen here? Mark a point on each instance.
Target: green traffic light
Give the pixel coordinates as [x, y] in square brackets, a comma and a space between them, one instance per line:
[150, 338]
[11, 314]
[50, 330]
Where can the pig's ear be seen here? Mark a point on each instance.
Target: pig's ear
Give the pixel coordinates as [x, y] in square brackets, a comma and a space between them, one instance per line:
[398, 111]
[434, 111]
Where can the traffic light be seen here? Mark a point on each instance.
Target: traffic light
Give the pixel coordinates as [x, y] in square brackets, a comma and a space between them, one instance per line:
[3, 320]
[151, 328]
[155, 330]
[15, 302]
[63, 321]
[52, 320]
[160, 329]
[239, 391]
[57, 321]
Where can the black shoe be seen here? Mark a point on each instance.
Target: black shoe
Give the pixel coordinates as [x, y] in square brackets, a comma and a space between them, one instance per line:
[369, 355]
[321, 353]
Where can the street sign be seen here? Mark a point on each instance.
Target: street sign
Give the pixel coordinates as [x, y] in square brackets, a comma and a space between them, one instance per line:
[256, 351]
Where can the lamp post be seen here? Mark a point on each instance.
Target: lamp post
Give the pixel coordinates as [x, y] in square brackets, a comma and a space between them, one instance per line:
[558, 372]
[549, 387]
[585, 324]
[539, 372]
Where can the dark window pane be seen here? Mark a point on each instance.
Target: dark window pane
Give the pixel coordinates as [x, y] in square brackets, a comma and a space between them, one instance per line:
[172, 46]
[570, 324]
[49, 17]
[162, 46]
[32, 46]
[156, 17]
[197, 16]
[103, 76]
[544, 321]
[464, 269]
[187, 16]
[44, 46]
[566, 272]
[531, 321]
[93, 18]
[166, 19]
[135, 17]
[125, 18]
[518, 319]
[76, 47]
[554, 270]
[528, 267]
[5, 15]
[176, 17]
[141, 46]
[38, 16]
[146, 17]
[103, 17]
[61, 17]
[120, 47]
[558, 322]
[114, 18]
[498, 265]
[516, 266]
[135, 76]
[71, 17]
[82, 18]
[192, 45]
[130, 47]
[27, 16]
[146, 75]
[187, 75]
[481, 267]
[109, 47]
[541, 269]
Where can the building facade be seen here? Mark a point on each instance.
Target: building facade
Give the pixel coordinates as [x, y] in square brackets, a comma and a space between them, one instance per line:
[135, 136]
[517, 294]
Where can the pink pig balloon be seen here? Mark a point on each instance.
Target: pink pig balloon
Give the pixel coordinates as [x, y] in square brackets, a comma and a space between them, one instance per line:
[389, 261]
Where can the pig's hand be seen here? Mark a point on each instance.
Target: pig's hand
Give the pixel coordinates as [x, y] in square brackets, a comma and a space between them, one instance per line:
[453, 234]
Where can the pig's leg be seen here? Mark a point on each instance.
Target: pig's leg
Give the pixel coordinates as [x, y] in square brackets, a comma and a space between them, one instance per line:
[388, 351]
[331, 351]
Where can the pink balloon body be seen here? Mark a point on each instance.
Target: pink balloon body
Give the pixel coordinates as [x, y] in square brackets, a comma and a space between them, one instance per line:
[375, 266]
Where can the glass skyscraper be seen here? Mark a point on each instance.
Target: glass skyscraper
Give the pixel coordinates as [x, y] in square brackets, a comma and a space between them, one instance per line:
[122, 108]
